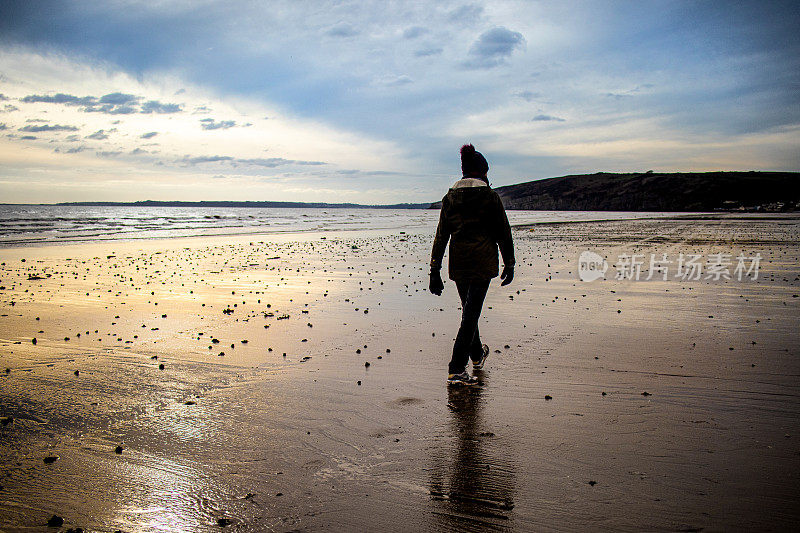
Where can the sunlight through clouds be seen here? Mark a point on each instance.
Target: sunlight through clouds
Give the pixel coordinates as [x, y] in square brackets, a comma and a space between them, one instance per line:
[73, 116]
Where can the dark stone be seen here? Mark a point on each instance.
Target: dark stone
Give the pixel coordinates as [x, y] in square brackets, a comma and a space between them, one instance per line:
[55, 521]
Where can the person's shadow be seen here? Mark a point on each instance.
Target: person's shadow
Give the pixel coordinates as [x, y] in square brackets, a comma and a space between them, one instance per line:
[472, 479]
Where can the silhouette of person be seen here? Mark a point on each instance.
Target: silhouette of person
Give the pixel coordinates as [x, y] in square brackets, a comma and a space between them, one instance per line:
[474, 220]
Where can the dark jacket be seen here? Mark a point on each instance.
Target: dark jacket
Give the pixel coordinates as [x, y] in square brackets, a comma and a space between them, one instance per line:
[475, 222]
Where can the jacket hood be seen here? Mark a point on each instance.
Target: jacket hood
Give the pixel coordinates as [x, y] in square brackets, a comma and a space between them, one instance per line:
[469, 193]
[469, 182]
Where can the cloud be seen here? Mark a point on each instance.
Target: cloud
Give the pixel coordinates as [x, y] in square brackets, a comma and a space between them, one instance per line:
[618, 96]
[3, 97]
[414, 31]
[639, 89]
[110, 109]
[47, 127]
[153, 106]
[3, 126]
[528, 96]
[211, 124]
[269, 162]
[99, 135]
[466, 14]
[196, 160]
[430, 51]
[493, 47]
[396, 81]
[148, 135]
[60, 98]
[28, 138]
[119, 99]
[75, 150]
[342, 30]
[116, 103]
[276, 161]
[110, 153]
[545, 118]
[8, 108]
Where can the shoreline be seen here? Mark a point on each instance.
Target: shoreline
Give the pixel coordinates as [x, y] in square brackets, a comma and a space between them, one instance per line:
[281, 235]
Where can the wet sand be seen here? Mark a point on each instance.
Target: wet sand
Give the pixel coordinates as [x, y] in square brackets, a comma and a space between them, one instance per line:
[673, 405]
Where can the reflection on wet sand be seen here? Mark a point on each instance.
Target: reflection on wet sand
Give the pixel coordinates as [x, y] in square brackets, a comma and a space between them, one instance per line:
[472, 480]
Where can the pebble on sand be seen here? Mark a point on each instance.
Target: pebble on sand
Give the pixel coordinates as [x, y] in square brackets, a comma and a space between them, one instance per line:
[118, 450]
[55, 521]
[548, 397]
[50, 459]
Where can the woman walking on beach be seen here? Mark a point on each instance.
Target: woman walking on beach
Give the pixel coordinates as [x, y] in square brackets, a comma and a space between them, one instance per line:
[474, 221]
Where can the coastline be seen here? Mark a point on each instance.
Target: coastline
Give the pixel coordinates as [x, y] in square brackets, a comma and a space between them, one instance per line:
[422, 221]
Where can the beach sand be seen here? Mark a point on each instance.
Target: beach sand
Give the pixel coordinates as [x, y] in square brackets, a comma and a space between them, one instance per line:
[303, 386]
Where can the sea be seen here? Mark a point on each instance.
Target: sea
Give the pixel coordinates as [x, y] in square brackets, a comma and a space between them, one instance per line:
[31, 225]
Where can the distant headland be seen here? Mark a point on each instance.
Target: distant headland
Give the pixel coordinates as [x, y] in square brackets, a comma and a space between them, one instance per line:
[657, 191]
[602, 191]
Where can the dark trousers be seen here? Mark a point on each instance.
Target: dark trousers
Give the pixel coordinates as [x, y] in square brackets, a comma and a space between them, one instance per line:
[468, 341]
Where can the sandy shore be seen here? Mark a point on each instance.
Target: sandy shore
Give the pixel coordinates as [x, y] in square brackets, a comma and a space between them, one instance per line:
[673, 404]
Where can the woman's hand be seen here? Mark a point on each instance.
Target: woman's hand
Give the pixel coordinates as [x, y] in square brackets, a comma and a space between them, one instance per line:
[436, 285]
[507, 276]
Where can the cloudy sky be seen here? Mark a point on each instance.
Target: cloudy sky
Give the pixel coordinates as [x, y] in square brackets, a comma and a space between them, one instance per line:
[369, 101]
